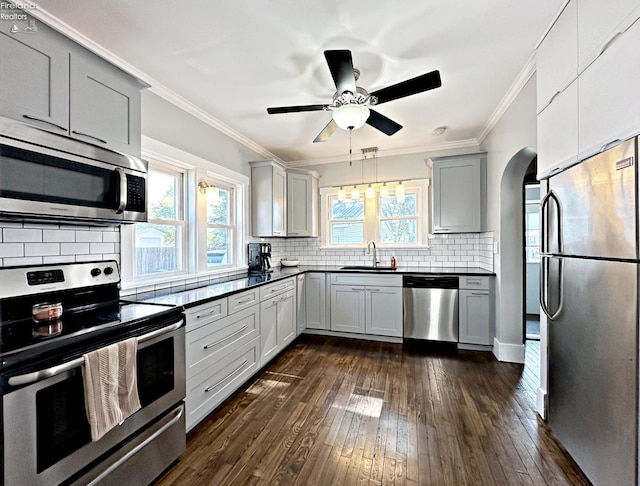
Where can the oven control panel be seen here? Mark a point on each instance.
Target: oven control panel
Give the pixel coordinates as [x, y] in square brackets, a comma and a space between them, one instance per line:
[19, 281]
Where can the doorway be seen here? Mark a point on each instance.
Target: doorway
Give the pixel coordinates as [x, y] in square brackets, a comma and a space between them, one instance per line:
[532, 258]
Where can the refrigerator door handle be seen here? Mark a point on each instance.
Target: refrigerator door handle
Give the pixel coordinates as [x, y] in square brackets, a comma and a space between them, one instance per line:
[543, 212]
[544, 288]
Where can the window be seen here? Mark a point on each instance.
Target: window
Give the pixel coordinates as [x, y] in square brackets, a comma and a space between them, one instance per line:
[221, 226]
[346, 222]
[399, 219]
[390, 220]
[159, 243]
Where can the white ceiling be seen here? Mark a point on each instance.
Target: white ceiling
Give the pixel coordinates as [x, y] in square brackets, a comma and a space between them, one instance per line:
[233, 59]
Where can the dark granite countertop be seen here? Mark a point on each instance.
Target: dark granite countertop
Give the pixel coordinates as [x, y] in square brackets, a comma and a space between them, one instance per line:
[216, 290]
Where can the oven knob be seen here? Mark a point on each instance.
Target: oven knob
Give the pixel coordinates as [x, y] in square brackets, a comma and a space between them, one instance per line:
[95, 272]
[108, 270]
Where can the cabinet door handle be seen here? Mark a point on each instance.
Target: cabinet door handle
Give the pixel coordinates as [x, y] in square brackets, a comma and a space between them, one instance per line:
[479, 293]
[473, 282]
[609, 145]
[610, 42]
[372, 290]
[29, 117]
[356, 288]
[88, 136]
[240, 302]
[215, 385]
[220, 341]
[278, 289]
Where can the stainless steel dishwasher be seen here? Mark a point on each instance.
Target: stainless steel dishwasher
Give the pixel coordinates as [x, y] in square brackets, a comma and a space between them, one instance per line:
[430, 307]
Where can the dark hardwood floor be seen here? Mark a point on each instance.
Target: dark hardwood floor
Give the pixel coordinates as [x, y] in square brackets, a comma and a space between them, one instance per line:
[348, 412]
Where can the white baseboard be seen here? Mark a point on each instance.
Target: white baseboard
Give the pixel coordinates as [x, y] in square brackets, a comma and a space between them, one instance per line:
[541, 403]
[509, 353]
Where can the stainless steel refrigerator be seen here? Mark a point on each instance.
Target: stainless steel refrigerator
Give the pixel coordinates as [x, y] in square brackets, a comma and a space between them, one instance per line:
[589, 291]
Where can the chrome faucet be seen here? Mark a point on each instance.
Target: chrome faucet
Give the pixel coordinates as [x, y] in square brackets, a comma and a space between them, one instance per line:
[375, 255]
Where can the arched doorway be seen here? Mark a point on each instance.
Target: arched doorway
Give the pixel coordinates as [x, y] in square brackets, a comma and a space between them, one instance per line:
[510, 268]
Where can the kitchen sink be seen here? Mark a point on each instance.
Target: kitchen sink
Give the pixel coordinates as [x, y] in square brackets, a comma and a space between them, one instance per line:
[368, 267]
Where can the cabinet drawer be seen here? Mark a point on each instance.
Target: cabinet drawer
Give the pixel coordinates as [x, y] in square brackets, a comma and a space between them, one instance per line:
[211, 386]
[209, 343]
[366, 279]
[206, 313]
[243, 300]
[276, 288]
[474, 283]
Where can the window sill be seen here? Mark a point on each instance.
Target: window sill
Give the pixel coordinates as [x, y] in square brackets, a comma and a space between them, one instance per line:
[180, 279]
[378, 246]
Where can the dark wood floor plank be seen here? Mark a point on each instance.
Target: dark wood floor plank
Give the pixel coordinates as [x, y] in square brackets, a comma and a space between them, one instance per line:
[346, 412]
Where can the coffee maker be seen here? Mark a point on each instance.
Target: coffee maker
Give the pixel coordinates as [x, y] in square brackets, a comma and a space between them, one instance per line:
[259, 257]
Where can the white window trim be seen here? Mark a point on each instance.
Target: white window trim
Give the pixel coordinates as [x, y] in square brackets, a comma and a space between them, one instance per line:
[372, 223]
[196, 169]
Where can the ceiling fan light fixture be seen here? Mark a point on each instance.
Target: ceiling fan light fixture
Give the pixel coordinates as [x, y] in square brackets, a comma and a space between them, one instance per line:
[351, 116]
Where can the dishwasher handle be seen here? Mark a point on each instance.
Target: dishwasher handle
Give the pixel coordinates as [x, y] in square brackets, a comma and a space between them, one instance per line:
[429, 282]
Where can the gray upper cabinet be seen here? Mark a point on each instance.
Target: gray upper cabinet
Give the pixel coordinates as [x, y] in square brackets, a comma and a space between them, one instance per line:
[34, 78]
[302, 204]
[459, 193]
[104, 104]
[268, 199]
[50, 82]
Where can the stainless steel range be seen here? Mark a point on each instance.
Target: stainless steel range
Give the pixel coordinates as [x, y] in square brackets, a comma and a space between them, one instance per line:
[50, 316]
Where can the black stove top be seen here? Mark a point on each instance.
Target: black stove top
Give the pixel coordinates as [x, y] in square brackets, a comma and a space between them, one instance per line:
[90, 314]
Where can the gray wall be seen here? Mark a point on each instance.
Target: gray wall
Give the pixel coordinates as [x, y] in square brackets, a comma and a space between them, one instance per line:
[165, 122]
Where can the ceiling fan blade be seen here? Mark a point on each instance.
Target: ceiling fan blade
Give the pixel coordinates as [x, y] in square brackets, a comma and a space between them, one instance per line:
[295, 109]
[326, 132]
[409, 87]
[382, 123]
[341, 67]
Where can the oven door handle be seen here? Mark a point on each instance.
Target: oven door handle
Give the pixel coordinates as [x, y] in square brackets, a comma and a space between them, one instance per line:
[36, 376]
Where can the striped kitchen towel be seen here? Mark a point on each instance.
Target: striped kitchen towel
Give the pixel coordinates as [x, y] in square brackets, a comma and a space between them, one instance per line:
[110, 386]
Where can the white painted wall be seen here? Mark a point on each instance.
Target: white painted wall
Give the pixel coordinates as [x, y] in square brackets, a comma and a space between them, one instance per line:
[165, 122]
[506, 163]
[393, 167]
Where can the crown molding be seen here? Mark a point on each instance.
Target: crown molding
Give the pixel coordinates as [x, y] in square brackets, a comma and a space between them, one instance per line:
[155, 86]
[521, 80]
[471, 143]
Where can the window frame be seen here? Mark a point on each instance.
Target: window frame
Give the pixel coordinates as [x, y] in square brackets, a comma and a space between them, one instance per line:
[329, 211]
[234, 246]
[372, 218]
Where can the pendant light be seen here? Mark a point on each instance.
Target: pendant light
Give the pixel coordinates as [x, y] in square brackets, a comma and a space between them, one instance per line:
[369, 192]
[400, 192]
[384, 190]
[355, 193]
[342, 194]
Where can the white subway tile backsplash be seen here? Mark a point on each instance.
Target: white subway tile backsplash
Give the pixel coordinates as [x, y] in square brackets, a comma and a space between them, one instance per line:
[29, 244]
[89, 236]
[74, 248]
[41, 249]
[9, 250]
[22, 235]
[58, 236]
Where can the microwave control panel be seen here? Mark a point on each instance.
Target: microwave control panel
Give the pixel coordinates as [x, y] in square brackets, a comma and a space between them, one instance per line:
[136, 199]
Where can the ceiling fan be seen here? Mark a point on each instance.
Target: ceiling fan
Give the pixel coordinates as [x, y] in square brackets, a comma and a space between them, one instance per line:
[351, 104]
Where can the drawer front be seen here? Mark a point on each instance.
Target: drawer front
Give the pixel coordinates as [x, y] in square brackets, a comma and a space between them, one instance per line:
[210, 343]
[471, 283]
[211, 386]
[276, 288]
[206, 313]
[243, 300]
[366, 279]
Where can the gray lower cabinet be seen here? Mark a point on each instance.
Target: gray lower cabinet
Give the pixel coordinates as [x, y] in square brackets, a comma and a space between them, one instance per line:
[277, 319]
[459, 193]
[222, 352]
[316, 302]
[366, 304]
[50, 82]
[476, 314]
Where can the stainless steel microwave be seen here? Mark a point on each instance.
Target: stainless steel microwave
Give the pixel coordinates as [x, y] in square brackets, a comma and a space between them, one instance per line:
[46, 176]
